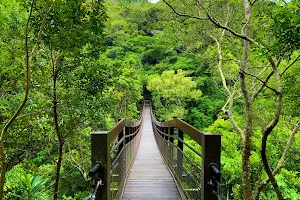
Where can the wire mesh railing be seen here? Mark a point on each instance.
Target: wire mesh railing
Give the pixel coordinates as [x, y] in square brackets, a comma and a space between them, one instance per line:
[190, 164]
[122, 160]
[113, 153]
[184, 168]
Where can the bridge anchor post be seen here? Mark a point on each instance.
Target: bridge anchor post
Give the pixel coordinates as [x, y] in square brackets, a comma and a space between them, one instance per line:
[101, 153]
[211, 155]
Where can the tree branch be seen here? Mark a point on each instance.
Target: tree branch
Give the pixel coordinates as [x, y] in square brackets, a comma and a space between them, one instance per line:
[75, 126]
[60, 138]
[230, 96]
[28, 65]
[253, 2]
[262, 86]
[51, 157]
[18, 111]
[76, 165]
[225, 105]
[182, 14]
[216, 23]
[263, 82]
[232, 59]
[37, 44]
[34, 113]
[297, 58]
[219, 25]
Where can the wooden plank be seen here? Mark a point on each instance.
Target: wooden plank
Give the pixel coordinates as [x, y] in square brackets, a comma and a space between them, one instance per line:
[149, 178]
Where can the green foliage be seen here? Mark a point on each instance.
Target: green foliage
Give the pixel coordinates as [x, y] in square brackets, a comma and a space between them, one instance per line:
[291, 84]
[291, 188]
[21, 185]
[112, 54]
[170, 93]
[286, 27]
[71, 25]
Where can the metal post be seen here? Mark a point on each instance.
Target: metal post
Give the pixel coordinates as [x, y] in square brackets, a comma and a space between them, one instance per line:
[211, 154]
[171, 139]
[127, 140]
[127, 132]
[167, 132]
[179, 154]
[133, 130]
[163, 142]
[180, 135]
[120, 136]
[167, 149]
[171, 134]
[130, 139]
[123, 155]
[101, 153]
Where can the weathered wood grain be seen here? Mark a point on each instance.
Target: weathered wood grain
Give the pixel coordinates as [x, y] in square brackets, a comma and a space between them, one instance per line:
[149, 178]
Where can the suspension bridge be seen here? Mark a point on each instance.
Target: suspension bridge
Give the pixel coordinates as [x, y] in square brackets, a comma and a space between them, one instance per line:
[149, 160]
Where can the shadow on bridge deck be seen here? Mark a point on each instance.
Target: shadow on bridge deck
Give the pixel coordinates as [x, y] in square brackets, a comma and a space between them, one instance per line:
[149, 177]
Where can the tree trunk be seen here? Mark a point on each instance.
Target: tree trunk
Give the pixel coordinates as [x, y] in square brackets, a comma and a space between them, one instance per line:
[58, 133]
[268, 129]
[280, 163]
[246, 151]
[57, 175]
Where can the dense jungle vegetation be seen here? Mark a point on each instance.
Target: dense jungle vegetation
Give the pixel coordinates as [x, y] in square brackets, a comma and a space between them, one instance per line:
[224, 66]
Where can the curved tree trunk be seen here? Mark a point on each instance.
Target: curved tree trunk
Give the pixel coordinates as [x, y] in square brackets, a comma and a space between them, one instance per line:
[18, 111]
[280, 163]
[268, 129]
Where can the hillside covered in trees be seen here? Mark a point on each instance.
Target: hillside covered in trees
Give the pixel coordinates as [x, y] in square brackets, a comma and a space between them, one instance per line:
[68, 68]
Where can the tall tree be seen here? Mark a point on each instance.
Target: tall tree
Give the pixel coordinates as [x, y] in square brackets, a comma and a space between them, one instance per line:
[246, 73]
[65, 41]
[30, 52]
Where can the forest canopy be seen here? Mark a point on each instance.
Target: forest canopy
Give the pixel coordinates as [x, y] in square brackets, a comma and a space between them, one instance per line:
[68, 68]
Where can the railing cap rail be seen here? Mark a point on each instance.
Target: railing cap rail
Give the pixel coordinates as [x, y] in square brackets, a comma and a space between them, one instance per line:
[118, 127]
[193, 132]
[100, 132]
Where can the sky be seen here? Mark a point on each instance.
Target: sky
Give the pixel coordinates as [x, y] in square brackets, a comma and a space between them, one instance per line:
[153, 1]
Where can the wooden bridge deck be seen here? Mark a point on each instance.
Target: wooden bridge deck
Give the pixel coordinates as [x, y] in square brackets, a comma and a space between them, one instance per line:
[149, 177]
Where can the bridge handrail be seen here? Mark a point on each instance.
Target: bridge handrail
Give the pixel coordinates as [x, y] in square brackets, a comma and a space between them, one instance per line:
[193, 132]
[182, 141]
[115, 151]
[210, 152]
[115, 131]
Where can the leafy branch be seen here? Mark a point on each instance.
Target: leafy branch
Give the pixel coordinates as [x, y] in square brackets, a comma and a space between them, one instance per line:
[183, 14]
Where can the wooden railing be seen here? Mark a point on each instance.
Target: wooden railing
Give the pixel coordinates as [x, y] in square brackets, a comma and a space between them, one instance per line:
[197, 176]
[113, 153]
